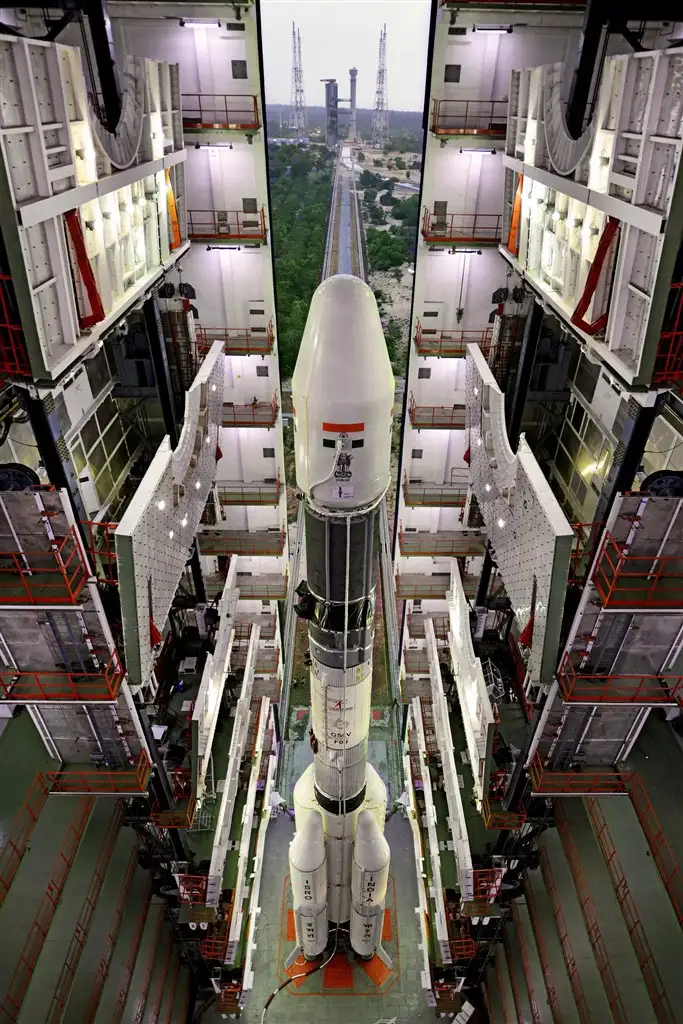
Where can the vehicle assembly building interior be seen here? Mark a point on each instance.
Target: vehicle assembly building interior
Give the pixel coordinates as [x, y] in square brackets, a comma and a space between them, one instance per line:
[496, 836]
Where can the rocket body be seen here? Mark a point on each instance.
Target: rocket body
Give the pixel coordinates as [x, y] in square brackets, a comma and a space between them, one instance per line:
[343, 396]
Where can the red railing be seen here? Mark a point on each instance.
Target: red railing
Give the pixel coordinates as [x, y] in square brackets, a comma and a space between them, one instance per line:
[581, 783]
[113, 934]
[131, 780]
[80, 935]
[586, 539]
[452, 344]
[624, 580]
[495, 817]
[537, 928]
[436, 417]
[55, 576]
[153, 1014]
[634, 925]
[470, 117]
[124, 988]
[526, 966]
[15, 845]
[102, 546]
[240, 542]
[181, 816]
[23, 971]
[434, 495]
[563, 935]
[473, 229]
[256, 414]
[171, 996]
[202, 111]
[237, 341]
[507, 1016]
[590, 917]
[31, 687]
[487, 883]
[226, 225]
[192, 889]
[669, 360]
[13, 356]
[516, 995]
[663, 855]
[589, 688]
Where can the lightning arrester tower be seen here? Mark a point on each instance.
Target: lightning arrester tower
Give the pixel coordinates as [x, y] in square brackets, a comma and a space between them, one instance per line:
[298, 100]
[380, 113]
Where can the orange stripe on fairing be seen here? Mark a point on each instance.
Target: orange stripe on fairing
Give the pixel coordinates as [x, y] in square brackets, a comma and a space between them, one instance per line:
[348, 428]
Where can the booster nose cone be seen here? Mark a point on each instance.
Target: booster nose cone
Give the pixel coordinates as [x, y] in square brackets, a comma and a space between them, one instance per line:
[308, 874]
[369, 877]
[343, 397]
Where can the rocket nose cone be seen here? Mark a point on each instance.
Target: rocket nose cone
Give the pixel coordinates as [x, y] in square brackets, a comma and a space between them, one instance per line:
[307, 848]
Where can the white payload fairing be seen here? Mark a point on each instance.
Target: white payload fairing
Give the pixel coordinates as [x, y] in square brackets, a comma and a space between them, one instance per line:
[343, 398]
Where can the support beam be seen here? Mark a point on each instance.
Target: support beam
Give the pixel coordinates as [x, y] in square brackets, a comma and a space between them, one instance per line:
[527, 358]
[105, 58]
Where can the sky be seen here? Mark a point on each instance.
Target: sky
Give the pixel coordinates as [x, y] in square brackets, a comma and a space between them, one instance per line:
[339, 34]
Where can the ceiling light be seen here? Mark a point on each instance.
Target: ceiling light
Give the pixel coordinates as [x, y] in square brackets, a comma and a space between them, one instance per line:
[501, 523]
[161, 505]
[213, 387]
[487, 488]
[476, 391]
[184, 521]
[198, 485]
[170, 534]
[478, 442]
[494, 30]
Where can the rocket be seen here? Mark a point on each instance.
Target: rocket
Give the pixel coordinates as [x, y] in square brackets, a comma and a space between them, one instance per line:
[343, 398]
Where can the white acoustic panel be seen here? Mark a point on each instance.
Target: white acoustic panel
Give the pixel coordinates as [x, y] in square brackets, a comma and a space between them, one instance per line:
[155, 535]
[530, 536]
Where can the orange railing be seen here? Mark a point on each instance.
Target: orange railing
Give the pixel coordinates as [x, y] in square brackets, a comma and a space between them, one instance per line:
[23, 971]
[473, 229]
[520, 1010]
[28, 687]
[584, 546]
[202, 111]
[537, 928]
[526, 967]
[141, 1004]
[580, 783]
[256, 414]
[55, 576]
[590, 917]
[449, 343]
[507, 1013]
[495, 817]
[470, 117]
[184, 795]
[624, 580]
[669, 361]
[113, 934]
[226, 225]
[16, 842]
[663, 855]
[436, 417]
[171, 995]
[487, 883]
[591, 688]
[241, 542]
[101, 547]
[634, 925]
[80, 935]
[152, 1016]
[124, 988]
[237, 341]
[563, 935]
[192, 889]
[13, 356]
[130, 780]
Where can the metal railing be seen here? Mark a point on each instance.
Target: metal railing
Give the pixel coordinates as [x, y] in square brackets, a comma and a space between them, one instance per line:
[263, 590]
[434, 495]
[24, 687]
[669, 360]
[47, 908]
[13, 355]
[624, 580]
[543, 957]
[590, 917]
[98, 780]
[507, 1015]
[79, 938]
[451, 344]
[255, 414]
[202, 111]
[136, 940]
[422, 543]
[563, 935]
[249, 494]
[141, 1003]
[547, 782]
[20, 833]
[526, 966]
[101, 547]
[290, 625]
[496, 818]
[436, 417]
[516, 995]
[217, 541]
[487, 118]
[614, 688]
[237, 341]
[37, 577]
[634, 925]
[473, 229]
[152, 1016]
[113, 934]
[226, 226]
[663, 855]
[413, 586]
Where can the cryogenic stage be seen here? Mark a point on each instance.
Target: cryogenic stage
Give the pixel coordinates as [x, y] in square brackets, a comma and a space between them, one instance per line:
[343, 396]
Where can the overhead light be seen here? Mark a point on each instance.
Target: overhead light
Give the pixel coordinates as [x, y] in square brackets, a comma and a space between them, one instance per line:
[478, 442]
[161, 505]
[184, 521]
[213, 387]
[494, 30]
[170, 534]
[501, 523]
[198, 485]
[476, 391]
[487, 488]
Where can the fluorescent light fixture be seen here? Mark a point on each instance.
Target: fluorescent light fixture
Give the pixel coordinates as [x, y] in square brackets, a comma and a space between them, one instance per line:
[475, 149]
[494, 30]
[198, 22]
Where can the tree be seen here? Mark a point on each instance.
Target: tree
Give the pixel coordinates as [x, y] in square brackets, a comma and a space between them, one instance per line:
[370, 195]
[392, 336]
[360, 157]
[385, 250]
[390, 165]
[386, 199]
[370, 180]
[408, 211]
[376, 162]
[407, 175]
[376, 214]
[400, 163]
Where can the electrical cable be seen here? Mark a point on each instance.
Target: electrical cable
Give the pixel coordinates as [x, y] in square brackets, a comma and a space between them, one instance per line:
[664, 451]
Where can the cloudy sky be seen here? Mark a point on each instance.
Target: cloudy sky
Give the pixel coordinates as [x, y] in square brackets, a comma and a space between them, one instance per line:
[338, 34]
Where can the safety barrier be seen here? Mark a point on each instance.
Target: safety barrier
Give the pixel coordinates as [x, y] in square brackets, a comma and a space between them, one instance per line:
[563, 935]
[226, 226]
[20, 833]
[487, 118]
[219, 111]
[132, 780]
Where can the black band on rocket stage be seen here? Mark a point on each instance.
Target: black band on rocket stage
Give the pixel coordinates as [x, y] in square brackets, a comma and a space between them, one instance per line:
[339, 806]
